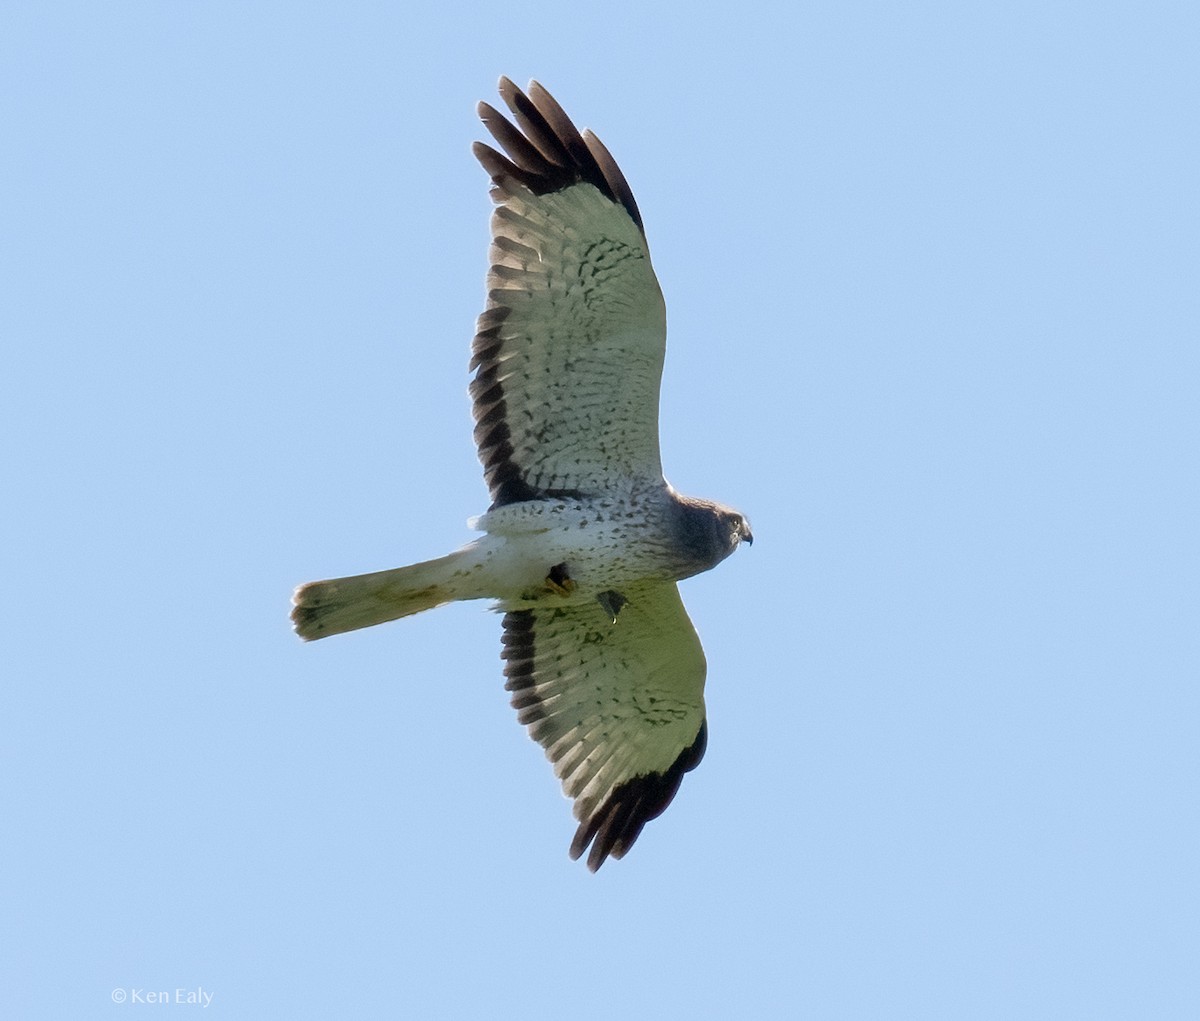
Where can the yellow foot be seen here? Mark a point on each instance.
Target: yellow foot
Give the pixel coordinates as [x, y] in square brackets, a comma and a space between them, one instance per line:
[559, 582]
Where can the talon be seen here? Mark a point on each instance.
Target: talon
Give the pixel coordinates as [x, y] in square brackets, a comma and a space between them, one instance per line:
[611, 601]
[559, 582]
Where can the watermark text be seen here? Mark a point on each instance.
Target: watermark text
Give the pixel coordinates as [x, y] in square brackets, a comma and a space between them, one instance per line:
[190, 997]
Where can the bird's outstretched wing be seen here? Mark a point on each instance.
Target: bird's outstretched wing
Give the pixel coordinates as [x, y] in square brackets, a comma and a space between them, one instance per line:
[568, 353]
[617, 705]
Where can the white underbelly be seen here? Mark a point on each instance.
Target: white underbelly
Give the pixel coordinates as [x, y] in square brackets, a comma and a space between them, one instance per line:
[521, 550]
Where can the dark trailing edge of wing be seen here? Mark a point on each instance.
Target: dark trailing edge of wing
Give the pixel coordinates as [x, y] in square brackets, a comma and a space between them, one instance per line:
[517, 653]
[504, 478]
[546, 153]
[615, 825]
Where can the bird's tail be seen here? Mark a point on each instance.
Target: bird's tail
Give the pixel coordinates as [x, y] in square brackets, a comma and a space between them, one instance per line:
[324, 608]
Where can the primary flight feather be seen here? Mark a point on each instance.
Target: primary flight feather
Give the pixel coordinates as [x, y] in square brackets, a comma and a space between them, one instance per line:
[584, 540]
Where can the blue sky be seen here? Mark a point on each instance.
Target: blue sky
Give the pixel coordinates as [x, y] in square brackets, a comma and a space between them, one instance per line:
[931, 275]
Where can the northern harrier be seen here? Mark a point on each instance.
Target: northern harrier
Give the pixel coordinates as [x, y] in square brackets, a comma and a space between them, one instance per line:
[584, 540]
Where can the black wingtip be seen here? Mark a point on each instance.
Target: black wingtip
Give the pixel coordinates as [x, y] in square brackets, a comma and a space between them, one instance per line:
[544, 150]
[615, 826]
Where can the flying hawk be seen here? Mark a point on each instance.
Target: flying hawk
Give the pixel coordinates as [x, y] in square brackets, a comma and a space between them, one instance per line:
[584, 540]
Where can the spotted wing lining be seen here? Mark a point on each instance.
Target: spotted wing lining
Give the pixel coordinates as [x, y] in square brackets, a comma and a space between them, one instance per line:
[617, 706]
[568, 354]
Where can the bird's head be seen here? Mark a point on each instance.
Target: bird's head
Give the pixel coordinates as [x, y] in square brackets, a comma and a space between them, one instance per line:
[709, 531]
[739, 529]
